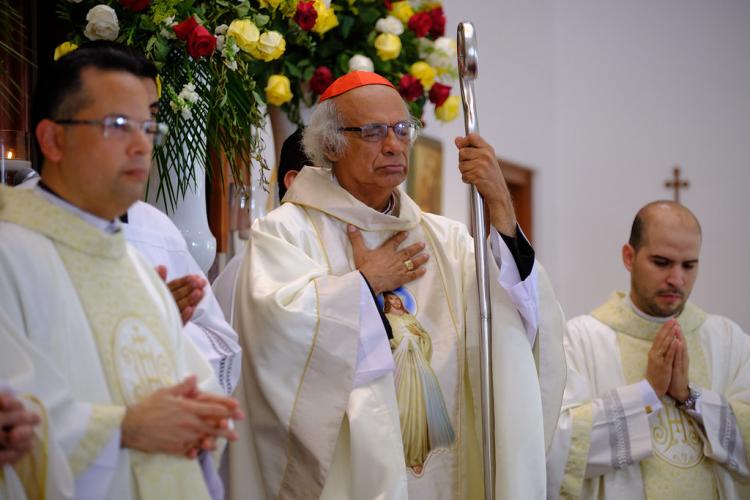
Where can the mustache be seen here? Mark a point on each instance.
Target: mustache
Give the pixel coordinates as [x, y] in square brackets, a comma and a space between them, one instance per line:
[671, 291]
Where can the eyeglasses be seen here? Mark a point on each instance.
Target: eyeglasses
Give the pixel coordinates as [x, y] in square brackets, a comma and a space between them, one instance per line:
[405, 130]
[119, 126]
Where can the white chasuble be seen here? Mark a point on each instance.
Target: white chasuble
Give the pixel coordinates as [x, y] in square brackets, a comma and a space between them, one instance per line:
[413, 433]
[110, 332]
[612, 444]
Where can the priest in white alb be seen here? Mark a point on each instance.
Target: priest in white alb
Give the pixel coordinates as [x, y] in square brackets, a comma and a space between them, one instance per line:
[132, 407]
[657, 403]
[343, 404]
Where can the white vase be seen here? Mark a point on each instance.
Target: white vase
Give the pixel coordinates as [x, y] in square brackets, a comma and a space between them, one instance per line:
[189, 215]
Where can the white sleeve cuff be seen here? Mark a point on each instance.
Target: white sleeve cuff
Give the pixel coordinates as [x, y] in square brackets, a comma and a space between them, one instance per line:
[374, 358]
[651, 402]
[94, 482]
[524, 294]
[621, 433]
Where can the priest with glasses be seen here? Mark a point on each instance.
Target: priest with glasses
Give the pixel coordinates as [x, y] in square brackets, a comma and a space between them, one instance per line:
[337, 407]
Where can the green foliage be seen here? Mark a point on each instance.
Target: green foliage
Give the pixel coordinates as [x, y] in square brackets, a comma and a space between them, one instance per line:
[231, 83]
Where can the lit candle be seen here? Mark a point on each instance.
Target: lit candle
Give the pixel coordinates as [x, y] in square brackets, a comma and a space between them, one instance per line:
[9, 164]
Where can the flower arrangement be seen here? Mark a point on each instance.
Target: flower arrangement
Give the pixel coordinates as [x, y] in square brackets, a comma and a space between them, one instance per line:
[207, 86]
[404, 41]
[221, 62]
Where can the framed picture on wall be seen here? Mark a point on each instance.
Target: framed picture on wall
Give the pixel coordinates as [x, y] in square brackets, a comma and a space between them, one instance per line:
[425, 180]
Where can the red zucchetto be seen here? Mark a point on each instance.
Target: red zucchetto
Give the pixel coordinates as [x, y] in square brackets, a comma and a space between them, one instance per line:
[351, 81]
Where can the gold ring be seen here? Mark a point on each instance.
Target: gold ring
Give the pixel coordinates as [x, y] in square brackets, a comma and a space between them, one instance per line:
[409, 265]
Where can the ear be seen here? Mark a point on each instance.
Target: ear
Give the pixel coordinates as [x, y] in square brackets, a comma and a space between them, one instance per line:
[289, 178]
[628, 256]
[50, 140]
[332, 156]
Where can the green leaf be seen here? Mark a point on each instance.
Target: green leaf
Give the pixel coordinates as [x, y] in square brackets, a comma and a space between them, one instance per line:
[261, 20]
[345, 25]
[242, 10]
[292, 69]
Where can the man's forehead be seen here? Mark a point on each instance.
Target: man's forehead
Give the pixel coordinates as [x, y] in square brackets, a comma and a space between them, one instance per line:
[677, 244]
[372, 103]
[115, 92]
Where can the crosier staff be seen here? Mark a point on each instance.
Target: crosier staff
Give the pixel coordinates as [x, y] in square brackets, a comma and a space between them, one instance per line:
[467, 70]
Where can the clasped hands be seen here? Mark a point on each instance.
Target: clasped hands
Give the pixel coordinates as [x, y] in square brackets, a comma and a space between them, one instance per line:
[667, 369]
[16, 429]
[187, 292]
[180, 420]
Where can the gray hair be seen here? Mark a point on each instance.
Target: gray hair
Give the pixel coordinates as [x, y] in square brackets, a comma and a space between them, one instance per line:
[322, 137]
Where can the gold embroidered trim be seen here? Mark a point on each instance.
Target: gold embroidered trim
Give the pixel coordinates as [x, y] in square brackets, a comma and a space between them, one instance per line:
[102, 424]
[580, 442]
[32, 468]
[284, 477]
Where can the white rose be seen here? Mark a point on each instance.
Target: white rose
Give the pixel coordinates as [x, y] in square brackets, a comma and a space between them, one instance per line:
[391, 25]
[221, 29]
[220, 43]
[102, 24]
[443, 54]
[447, 45]
[360, 63]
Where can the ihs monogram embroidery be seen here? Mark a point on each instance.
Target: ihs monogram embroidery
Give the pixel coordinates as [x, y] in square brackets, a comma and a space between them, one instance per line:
[142, 362]
[676, 438]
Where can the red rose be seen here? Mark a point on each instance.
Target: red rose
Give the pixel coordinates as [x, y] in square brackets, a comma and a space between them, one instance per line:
[410, 88]
[438, 22]
[201, 43]
[388, 4]
[420, 23]
[321, 79]
[135, 5]
[186, 27]
[306, 15]
[439, 93]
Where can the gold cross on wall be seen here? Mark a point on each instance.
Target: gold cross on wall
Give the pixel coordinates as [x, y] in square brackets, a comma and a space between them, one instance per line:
[677, 183]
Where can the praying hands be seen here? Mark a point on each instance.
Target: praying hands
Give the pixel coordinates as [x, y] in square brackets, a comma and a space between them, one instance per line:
[667, 369]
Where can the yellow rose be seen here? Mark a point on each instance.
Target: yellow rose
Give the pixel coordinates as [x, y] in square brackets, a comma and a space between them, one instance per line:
[273, 4]
[158, 86]
[388, 46]
[449, 110]
[326, 20]
[63, 49]
[402, 11]
[270, 46]
[424, 73]
[245, 33]
[278, 90]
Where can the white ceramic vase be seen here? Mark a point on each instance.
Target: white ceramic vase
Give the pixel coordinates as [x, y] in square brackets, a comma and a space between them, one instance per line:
[190, 216]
